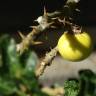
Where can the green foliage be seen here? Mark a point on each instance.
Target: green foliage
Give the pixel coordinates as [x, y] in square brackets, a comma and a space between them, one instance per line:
[71, 87]
[17, 76]
[84, 86]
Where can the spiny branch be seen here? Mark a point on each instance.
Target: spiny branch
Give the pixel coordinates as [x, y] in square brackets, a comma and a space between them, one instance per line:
[46, 61]
[29, 39]
[47, 20]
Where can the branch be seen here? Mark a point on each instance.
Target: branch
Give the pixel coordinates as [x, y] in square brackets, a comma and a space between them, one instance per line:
[45, 21]
[28, 40]
[46, 61]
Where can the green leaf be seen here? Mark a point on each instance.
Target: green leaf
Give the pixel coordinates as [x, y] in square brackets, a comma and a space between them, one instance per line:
[30, 82]
[10, 58]
[7, 87]
[29, 60]
[87, 83]
[32, 85]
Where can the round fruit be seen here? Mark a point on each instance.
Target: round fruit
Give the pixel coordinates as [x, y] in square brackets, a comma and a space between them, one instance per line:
[75, 47]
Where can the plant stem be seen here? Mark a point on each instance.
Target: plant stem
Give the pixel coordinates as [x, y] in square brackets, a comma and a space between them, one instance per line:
[46, 61]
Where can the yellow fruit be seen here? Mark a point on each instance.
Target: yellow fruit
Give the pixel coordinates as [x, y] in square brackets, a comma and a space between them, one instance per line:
[75, 47]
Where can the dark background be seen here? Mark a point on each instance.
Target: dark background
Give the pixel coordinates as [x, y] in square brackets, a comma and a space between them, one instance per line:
[18, 14]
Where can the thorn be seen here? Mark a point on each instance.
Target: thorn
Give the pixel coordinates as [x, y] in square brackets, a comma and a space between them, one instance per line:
[59, 20]
[35, 20]
[54, 27]
[63, 21]
[50, 48]
[30, 26]
[66, 6]
[45, 12]
[54, 18]
[50, 23]
[36, 42]
[70, 18]
[77, 10]
[34, 27]
[21, 35]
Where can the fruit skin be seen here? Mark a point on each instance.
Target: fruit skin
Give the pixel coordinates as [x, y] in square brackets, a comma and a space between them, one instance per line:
[75, 47]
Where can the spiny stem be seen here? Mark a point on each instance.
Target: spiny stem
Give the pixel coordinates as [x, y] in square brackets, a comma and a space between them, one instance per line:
[46, 61]
[29, 39]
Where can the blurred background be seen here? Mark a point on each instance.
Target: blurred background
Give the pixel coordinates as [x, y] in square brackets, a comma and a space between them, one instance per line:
[19, 15]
